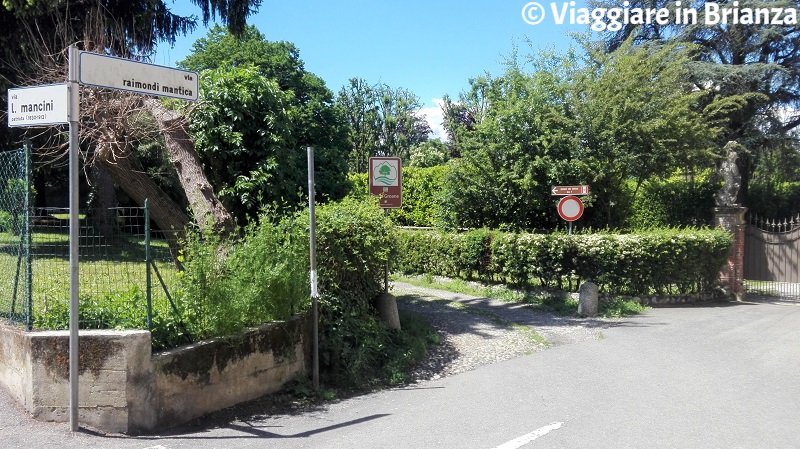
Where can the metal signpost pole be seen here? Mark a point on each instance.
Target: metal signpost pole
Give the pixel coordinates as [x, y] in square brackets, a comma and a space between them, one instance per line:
[101, 71]
[386, 268]
[313, 252]
[28, 239]
[74, 148]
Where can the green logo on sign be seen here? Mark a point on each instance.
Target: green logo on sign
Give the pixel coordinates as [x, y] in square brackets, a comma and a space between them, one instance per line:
[385, 174]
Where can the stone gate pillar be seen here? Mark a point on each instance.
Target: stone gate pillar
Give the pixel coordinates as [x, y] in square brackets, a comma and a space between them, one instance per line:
[731, 219]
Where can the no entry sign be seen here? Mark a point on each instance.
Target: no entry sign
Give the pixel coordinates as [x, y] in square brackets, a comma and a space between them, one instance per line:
[570, 208]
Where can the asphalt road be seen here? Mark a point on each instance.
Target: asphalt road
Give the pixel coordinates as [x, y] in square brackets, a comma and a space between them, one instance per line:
[696, 377]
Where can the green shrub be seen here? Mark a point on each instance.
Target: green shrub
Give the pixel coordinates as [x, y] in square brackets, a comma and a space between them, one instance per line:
[776, 200]
[124, 309]
[661, 261]
[354, 241]
[420, 189]
[9, 223]
[226, 286]
[674, 202]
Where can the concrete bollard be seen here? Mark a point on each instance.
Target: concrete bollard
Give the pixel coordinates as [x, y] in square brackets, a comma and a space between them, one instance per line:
[588, 299]
[387, 310]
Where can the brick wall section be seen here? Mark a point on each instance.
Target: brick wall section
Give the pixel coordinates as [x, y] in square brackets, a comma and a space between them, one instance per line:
[731, 277]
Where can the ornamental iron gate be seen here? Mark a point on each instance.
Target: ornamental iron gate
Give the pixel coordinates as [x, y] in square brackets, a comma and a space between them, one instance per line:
[772, 257]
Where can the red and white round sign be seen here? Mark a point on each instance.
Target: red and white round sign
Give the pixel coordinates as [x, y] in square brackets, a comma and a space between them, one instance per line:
[570, 208]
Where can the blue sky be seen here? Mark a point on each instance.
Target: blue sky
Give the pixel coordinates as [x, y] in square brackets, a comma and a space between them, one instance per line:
[429, 47]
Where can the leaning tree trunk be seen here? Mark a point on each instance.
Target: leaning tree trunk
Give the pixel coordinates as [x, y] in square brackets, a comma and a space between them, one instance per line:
[103, 200]
[166, 213]
[207, 209]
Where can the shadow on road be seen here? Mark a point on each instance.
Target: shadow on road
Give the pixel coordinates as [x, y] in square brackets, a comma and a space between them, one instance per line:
[257, 431]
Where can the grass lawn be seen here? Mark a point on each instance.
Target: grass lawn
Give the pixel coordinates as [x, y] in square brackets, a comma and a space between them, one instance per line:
[112, 278]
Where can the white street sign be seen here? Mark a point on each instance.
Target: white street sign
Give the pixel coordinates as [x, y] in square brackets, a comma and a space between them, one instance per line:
[38, 105]
[133, 76]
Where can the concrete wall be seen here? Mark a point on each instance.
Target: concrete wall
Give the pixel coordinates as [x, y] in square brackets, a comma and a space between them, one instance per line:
[198, 379]
[123, 388]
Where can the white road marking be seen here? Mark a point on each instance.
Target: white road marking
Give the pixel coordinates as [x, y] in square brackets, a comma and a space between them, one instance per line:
[156, 447]
[527, 438]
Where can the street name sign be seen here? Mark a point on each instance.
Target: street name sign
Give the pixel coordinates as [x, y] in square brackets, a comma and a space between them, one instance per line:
[386, 181]
[569, 190]
[570, 208]
[38, 105]
[134, 76]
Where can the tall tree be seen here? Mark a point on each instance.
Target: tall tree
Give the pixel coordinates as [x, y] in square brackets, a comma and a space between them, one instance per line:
[402, 128]
[521, 142]
[607, 121]
[261, 110]
[358, 100]
[753, 69]
[457, 119]
[43, 29]
[383, 121]
[639, 118]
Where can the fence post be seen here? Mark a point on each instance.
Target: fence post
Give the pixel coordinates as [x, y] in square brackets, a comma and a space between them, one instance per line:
[147, 262]
[28, 238]
[731, 219]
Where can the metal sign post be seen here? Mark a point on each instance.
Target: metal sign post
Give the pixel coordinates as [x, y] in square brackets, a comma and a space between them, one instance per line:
[74, 148]
[60, 103]
[313, 251]
[113, 73]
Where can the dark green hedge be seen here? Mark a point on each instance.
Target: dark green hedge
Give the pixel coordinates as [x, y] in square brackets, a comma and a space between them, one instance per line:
[420, 189]
[661, 261]
[354, 240]
[674, 202]
[778, 200]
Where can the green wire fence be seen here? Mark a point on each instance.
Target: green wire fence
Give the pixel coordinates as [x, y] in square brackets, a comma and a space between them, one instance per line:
[118, 255]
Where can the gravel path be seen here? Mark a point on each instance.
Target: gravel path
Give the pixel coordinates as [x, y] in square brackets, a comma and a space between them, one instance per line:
[477, 331]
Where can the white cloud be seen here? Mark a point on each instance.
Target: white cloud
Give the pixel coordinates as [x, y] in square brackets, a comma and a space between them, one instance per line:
[433, 115]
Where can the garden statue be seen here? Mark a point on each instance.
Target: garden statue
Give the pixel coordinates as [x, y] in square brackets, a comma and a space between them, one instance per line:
[732, 180]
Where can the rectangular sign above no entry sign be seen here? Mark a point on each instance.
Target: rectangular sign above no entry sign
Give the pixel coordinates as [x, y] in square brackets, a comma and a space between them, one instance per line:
[386, 181]
[569, 190]
[133, 76]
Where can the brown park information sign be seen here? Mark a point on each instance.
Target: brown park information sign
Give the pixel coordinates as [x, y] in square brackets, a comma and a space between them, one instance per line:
[386, 181]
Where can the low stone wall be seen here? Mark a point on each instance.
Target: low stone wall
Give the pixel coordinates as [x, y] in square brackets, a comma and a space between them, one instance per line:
[123, 388]
[197, 379]
[113, 374]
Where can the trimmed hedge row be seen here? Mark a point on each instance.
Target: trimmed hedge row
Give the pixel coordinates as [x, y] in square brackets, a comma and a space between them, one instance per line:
[660, 261]
[420, 187]
[777, 201]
